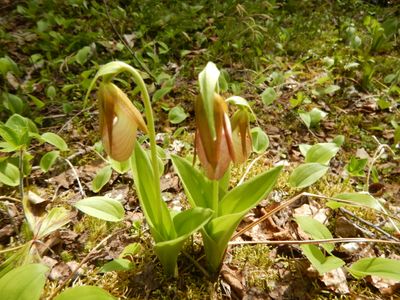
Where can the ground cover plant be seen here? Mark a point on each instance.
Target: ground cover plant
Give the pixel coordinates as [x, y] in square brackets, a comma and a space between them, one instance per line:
[199, 150]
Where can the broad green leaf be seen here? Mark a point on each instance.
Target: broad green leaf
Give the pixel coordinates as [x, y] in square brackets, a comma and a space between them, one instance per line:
[9, 173]
[376, 266]
[6, 147]
[260, 140]
[47, 160]
[356, 166]
[102, 207]
[10, 136]
[316, 230]
[39, 103]
[101, 179]
[19, 257]
[316, 115]
[177, 115]
[304, 149]
[191, 220]
[355, 199]
[21, 124]
[8, 65]
[119, 166]
[238, 101]
[306, 174]
[186, 223]
[130, 250]
[51, 92]
[56, 218]
[313, 117]
[247, 195]
[55, 140]
[13, 103]
[306, 118]
[82, 55]
[339, 140]
[233, 206]
[331, 89]
[268, 96]
[197, 187]
[208, 82]
[321, 262]
[159, 94]
[84, 293]
[118, 264]
[23, 283]
[216, 235]
[154, 209]
[321, 153]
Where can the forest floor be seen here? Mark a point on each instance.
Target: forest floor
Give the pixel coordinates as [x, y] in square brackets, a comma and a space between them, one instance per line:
[285, 58]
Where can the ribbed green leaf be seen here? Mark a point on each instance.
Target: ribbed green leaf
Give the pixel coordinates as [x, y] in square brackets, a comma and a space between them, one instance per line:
[84, 293]
[306, 174]
[355, 199]
[9, 173]
[23, 283]
[197, 187]
[321, 153]
[376, 266]
[321, 262]
[316, 230]
[102, 207]
[101, 179]
[55, 140]
[47, 160]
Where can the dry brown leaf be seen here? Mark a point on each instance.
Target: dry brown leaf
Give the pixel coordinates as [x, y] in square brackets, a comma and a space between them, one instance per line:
[336, 281]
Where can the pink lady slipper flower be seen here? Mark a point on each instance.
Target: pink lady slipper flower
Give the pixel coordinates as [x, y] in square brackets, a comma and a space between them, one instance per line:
[214, 154]
[119, 121]
[241, 136]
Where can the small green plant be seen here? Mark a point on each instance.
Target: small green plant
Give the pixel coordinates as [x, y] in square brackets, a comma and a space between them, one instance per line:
[16, 136]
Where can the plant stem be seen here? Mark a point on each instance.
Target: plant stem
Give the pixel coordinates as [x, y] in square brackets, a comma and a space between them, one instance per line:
[150, 124]
[215, 199]
[21, 173]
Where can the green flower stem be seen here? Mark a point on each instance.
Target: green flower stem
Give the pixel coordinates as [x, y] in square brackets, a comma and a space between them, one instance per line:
[215, 198]
[150, 124]
[21, 172]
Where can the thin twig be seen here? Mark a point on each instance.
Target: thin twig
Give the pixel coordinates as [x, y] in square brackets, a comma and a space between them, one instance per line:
[76, 177]
[268, 214]
[347, 212]
[10, 198]
[196, 263]
[378, 153]
[321, 241]
[66, 281]
[287, 203]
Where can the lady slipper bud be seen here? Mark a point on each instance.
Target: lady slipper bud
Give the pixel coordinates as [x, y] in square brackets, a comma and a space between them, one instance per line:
[119, 121]
[241, 136]
[214, 154]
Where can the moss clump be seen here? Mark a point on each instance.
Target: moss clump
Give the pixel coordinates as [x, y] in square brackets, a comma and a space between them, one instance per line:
[255, 263]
